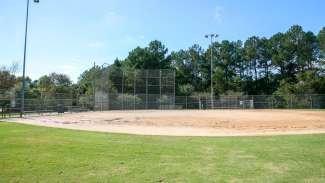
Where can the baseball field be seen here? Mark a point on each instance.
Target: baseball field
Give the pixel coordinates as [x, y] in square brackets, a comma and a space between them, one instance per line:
[160, 146]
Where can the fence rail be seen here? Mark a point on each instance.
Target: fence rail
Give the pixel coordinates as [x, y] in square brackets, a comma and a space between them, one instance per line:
[10, 106]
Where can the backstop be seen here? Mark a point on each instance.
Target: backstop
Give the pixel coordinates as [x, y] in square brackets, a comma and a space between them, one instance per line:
[134, 89]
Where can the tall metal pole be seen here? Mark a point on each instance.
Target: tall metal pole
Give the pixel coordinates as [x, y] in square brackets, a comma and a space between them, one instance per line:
[22, 103]
[211, 66]
[211, 73]
[24, 65]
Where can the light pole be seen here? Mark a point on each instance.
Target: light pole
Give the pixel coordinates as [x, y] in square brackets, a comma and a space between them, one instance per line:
[24, 62]
[211, 36]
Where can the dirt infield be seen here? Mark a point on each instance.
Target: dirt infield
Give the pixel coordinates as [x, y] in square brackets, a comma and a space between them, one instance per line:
[190, 122]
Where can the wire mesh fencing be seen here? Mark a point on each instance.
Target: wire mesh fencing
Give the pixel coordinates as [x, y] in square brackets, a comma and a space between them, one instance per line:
[62, 103]
[117, 89]
[142, 101]
[135, 82]
[39, 103]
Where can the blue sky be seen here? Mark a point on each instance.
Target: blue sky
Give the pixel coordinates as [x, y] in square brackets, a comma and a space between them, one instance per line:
[68, 36]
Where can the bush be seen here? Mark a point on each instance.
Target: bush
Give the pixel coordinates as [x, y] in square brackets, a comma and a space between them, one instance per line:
[165, 100]
[127, 98]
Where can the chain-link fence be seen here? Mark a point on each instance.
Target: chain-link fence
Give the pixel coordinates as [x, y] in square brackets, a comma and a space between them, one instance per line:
[133, 89]
[137, 102]
[39, 103]
[46, 104]
[116, 89]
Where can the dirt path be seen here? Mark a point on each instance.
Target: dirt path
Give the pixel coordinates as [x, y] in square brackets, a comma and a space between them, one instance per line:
[190, 122]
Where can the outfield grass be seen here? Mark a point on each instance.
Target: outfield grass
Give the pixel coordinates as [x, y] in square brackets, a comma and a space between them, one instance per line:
[40, 154]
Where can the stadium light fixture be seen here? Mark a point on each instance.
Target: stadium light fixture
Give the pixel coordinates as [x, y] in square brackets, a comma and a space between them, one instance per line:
[211, 36]
[22, 103]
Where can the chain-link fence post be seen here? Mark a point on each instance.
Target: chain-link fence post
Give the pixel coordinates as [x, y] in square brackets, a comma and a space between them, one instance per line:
[122, 89]
[200, 102]
[159, 85]
[186, 102]
[174, 90]
[134, 89]
[146, 89]
[108, 92]
[93, 87]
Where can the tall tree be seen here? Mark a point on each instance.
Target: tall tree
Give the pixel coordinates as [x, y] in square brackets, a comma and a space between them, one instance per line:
[226, 64]
[7, 78]
[280, 55]
[321, 40]
[301, 46]
[265, 66]
[189, 67]
[251, 53]
[152, 57]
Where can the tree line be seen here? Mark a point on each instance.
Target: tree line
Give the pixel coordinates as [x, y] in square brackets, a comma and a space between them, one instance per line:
[291, 62]
[286, 63]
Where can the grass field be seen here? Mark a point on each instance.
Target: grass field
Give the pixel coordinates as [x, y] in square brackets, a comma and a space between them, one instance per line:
[41, 154]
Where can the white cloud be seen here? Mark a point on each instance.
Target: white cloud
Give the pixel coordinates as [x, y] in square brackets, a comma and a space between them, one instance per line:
[218, 13]
[96, 44]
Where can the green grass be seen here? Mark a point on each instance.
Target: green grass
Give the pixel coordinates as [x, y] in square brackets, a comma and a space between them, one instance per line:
[40, 154]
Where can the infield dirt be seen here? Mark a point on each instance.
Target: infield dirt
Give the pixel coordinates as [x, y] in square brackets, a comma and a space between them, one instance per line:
[189, 122]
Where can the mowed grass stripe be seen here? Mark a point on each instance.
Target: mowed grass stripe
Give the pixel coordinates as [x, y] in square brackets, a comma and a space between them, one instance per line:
[40, 154]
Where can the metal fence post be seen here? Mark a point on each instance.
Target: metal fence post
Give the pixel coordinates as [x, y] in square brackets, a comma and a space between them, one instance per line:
[93, 83]
[134, 88]
[174, 87]
[101, 89]
[186, 102]
[108, 83]
[146, 89]
[200, 102]
[122, 89]
[160, 84]
[311, 102]
[134, 102]
[101, 104]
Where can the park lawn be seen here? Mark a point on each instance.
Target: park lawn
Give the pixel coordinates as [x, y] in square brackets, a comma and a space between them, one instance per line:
[41, 154]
